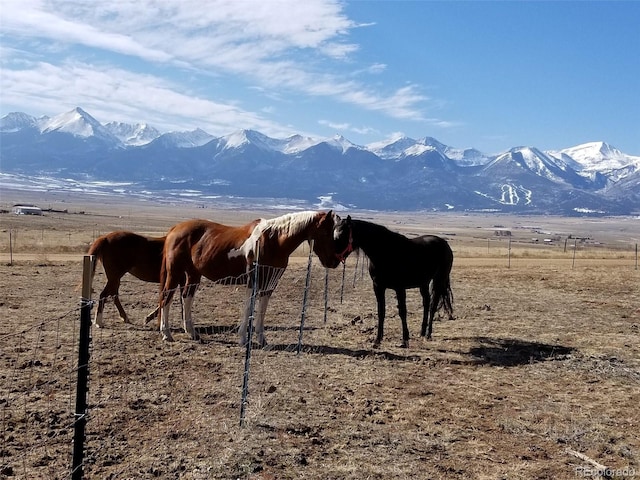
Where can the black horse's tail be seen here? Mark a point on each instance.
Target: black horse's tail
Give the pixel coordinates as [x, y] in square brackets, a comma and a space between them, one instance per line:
[442, 293]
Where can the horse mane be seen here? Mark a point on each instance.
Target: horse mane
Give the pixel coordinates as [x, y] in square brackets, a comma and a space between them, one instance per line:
[290, 224]
[379, 229]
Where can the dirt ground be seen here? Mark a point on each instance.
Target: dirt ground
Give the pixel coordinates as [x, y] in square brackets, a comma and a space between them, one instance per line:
[537, 377]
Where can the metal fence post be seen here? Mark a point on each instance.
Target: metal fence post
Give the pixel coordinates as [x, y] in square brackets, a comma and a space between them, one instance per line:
[247, 358]
[83, 370]
[304, 299]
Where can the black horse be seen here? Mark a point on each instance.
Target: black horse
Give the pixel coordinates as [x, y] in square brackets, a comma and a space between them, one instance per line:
[398, 263]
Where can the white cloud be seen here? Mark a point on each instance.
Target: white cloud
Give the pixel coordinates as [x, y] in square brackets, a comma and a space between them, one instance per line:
[114, 94]
[347, 127]
[299, 47]
[31, 19]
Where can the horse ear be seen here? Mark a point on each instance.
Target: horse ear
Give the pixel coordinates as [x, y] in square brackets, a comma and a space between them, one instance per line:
[348, 218]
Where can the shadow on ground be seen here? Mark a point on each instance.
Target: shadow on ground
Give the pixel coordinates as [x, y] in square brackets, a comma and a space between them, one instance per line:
[510, 352]
[503, 352]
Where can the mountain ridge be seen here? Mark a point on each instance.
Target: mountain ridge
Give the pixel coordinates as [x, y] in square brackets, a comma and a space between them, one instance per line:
[399, 173]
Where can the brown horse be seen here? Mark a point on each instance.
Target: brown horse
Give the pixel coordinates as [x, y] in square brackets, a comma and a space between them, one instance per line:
[197, 248]
[121, 252]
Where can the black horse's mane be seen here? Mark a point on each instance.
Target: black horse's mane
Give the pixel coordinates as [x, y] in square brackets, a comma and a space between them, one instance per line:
[378, 232]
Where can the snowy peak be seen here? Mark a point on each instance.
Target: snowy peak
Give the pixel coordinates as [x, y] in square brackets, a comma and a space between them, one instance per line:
[392, 148]
[16, 121]
[340, 143]
[432, 142]
[467, 157]
[400, 146]
[398, 173]
[134, 135]
[531, 160]
[194, 138]
[598, 156]
[242, 138]
[297, 143]
[78, 123]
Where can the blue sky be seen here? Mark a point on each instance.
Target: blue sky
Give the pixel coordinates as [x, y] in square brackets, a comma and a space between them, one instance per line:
[489, 75]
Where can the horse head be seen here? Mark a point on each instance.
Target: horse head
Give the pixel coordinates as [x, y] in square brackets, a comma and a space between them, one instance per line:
[325, 238]
[343, 237]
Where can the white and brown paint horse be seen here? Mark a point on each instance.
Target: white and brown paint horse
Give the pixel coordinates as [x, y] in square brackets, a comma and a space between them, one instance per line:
[198, 248]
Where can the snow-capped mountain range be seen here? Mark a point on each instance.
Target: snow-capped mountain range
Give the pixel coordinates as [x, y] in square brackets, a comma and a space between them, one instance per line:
[396, 174]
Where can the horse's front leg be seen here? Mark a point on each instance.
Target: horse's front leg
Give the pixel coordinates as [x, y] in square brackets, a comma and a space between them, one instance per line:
[151, 316]
[401, 296]
[380, 298]
[123, 314]
[187, 302]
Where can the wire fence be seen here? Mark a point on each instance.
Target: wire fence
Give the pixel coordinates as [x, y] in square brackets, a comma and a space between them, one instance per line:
[38, 365]
[38, 368]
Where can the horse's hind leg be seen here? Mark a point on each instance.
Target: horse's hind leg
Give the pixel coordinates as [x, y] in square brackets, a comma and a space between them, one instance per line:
[429, 307]
[166, 295]
[97, 320]
[260, 308]
[187, 301]
[109, 290]
[379, 291]
[401, 296]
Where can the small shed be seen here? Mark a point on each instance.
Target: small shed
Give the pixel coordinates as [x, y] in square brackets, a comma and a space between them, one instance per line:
[27, 210]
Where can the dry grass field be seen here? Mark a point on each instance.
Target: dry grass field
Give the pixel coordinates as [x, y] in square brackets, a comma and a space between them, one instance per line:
[537, 377]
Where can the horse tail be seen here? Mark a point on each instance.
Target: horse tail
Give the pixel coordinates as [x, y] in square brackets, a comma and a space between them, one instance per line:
[97, 249]
[163, 277]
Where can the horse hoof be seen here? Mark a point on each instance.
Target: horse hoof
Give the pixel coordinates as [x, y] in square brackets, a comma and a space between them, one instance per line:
[404, 345]
[167, 337]
[125, 319]
[376, 345]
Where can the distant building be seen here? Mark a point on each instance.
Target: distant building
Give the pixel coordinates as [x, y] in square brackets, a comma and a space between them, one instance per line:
[27, 210]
